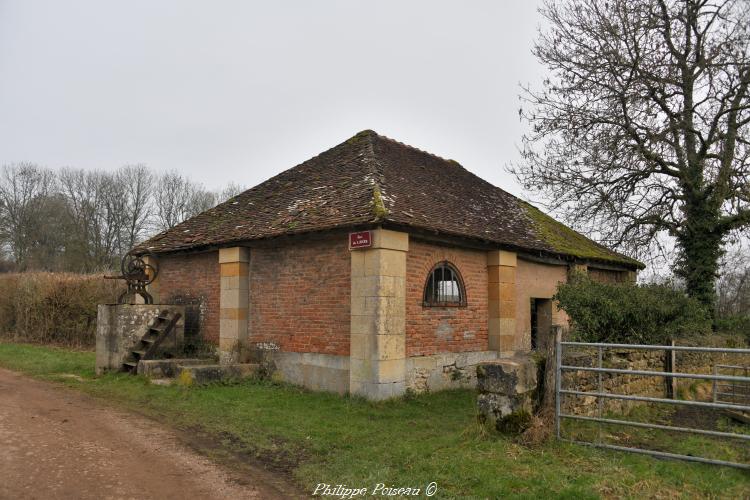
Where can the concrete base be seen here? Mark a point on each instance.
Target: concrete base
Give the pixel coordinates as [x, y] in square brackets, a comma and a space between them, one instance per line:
[445, 370]
[318, 372]
[203, 374]
[119, 327]
[165, 368]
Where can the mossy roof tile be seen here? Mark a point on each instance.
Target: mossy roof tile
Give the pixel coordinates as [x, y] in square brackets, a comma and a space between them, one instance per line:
[373, 179]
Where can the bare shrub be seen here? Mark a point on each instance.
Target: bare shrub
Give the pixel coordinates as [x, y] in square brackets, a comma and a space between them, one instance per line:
[53, 308]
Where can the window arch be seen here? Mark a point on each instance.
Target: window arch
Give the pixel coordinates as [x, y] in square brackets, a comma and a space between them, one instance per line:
[444, 287]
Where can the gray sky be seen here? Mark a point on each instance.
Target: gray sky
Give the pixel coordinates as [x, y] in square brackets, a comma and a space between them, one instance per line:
[240, 91]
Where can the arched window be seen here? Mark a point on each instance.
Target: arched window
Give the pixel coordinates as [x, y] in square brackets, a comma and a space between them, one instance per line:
[444, 287]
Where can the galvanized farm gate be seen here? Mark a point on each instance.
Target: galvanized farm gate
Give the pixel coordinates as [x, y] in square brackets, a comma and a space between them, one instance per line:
[730, 392]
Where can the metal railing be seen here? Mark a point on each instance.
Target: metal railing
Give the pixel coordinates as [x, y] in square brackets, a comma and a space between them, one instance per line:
[719, 382]
[734, 391]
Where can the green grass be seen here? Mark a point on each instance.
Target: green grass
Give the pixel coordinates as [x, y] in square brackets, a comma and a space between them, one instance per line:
[732, 450]
[410, 442]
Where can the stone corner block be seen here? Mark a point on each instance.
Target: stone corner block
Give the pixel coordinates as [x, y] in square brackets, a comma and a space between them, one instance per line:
[390, 240]
[501, 258]
[233, 254]
[508, 376]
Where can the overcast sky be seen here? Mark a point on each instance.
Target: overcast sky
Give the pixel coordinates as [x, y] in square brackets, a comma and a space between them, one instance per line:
[240, 91]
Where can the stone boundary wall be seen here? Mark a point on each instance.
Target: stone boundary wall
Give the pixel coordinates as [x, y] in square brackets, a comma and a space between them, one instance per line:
[614, 383]
[685, 362]
[448, 370]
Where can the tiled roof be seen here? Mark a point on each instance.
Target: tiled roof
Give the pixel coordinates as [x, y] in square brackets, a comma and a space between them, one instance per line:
[371, 179]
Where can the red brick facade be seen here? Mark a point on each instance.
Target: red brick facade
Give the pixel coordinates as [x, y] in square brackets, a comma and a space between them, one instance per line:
[193, 280]
[431, 330]
[300, 296]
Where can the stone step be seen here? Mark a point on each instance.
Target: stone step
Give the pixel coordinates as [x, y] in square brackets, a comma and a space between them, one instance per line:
[160, 368]
[203, 374]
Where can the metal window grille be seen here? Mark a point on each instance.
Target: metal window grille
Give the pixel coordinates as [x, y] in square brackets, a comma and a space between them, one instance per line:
[444, 287]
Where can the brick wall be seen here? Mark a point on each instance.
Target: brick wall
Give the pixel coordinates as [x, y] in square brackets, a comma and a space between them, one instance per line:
[431, 330]
[300, 296]
[193, 280]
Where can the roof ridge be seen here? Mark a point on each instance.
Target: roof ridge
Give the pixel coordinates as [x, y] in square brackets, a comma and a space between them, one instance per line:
[376, 176]
[451, 160]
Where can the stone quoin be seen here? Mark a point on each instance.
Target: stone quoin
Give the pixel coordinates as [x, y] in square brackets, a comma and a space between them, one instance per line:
[374, 268]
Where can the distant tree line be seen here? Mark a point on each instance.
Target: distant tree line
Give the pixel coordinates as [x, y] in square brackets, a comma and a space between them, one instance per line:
[85, 220]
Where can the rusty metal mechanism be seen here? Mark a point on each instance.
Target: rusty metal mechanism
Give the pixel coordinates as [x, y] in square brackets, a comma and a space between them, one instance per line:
[138, 274]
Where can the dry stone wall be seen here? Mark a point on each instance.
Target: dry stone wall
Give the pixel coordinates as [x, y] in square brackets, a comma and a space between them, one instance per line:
[587, 381]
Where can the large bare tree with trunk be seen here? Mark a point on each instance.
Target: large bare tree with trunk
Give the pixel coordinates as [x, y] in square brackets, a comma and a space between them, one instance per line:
[643, 125]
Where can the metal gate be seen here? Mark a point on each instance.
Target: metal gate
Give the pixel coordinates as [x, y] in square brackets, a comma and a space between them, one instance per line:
[729, 392]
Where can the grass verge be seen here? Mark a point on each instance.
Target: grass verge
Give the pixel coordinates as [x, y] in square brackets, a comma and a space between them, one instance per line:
[324, 438]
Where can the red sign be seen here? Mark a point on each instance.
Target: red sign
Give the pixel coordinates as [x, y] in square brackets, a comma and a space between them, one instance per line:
[362, 239]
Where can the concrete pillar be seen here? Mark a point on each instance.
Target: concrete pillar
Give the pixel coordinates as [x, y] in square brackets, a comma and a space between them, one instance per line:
[501, 293]
[234, 302]
[377, 362]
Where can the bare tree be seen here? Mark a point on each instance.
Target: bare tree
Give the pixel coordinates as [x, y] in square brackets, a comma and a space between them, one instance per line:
[98, 210]
[230, 191]
[177, 198]
[86, 220]
[138, 183]
[24, 191]
[642, 125]
[733, 286]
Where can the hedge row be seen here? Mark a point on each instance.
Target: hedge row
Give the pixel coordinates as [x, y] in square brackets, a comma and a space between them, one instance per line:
[629, 313]
[53, 308]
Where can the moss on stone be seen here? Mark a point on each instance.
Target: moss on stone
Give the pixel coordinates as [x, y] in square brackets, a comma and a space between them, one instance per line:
[514, 423]
[378, 206]
[185, 379]
[568, 242]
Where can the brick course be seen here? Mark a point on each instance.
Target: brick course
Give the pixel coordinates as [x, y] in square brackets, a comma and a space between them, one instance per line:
[431, 330]
[193, 280]
[300, 296]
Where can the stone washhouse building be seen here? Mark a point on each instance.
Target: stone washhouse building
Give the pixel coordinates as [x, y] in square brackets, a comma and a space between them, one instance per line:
[374, 268]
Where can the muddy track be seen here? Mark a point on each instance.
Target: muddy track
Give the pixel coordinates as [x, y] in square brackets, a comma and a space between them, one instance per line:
[58, 443]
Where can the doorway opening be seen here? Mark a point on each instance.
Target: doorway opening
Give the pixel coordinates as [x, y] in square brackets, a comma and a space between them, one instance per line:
[541, 322]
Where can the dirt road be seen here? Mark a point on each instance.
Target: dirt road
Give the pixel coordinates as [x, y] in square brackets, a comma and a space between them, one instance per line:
[57, 443]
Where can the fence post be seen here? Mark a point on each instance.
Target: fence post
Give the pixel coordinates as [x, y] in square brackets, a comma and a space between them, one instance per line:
[670, 360]
[558, 377]
[600, 400]
[713, 384]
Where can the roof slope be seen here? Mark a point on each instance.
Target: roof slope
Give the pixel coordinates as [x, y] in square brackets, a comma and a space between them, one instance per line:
[373, 179]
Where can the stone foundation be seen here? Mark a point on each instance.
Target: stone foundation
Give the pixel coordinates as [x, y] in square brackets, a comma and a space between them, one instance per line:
[119, 327]
[318, 372]
[449, 370]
